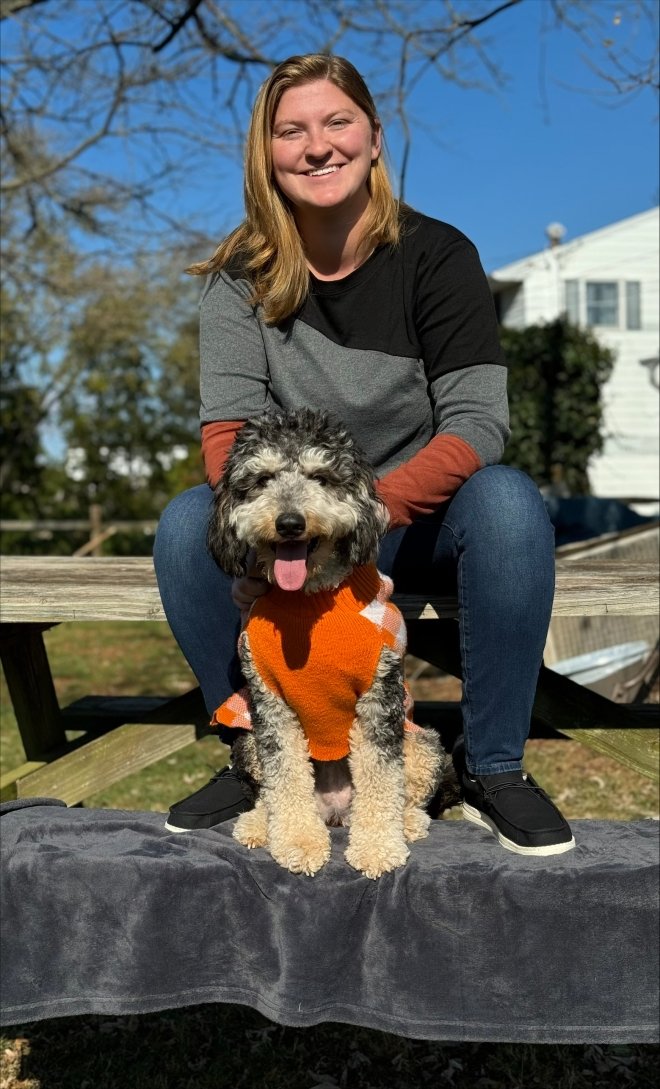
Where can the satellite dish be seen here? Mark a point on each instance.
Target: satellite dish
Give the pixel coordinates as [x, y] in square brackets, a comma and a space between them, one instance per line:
[555, 233]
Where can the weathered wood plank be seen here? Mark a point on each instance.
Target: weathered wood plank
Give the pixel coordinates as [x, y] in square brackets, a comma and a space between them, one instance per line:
[55, 588]
[627, 733]
[596, 588]
[45, 590]
[97, 764]
[8, 781]
[638, 750]
[162, 726]
[89, 588]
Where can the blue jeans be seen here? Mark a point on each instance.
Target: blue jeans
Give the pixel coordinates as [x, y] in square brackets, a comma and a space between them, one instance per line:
[492, 543]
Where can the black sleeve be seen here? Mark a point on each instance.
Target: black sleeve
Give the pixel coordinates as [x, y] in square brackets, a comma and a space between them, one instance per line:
[453, 308]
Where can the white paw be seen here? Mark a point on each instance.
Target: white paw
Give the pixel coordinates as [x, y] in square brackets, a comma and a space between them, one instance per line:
[304, 854]
[251, 829]
[377, 860]
[416, 825]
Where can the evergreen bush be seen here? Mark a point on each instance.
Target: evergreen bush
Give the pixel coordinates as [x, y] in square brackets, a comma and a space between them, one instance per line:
[556, 374]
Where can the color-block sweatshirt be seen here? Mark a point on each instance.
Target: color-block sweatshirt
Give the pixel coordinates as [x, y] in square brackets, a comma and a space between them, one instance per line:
[404, 351]
[319, 653]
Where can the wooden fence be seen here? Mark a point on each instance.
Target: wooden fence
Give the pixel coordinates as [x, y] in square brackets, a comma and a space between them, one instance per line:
[93, 526]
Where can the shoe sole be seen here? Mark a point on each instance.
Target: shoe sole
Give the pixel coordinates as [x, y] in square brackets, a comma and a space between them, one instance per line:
[200, 828]
[173, 828]
[475, 817]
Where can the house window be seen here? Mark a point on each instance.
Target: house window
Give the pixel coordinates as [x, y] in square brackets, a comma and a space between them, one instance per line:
[603, 304]
[572, 300]
[633, 305]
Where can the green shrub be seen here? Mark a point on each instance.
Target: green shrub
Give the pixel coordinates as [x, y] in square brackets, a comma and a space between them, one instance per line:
[556, 374]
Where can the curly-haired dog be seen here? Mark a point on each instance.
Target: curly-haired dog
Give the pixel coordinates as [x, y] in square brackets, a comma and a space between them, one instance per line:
[322, 652]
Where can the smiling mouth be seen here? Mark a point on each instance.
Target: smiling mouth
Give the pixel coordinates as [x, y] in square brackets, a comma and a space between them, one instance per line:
[290, 567]
[323, 171]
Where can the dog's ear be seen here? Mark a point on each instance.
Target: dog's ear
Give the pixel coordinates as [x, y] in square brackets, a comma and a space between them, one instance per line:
[382, 517]
[228, 552]
[363, 542]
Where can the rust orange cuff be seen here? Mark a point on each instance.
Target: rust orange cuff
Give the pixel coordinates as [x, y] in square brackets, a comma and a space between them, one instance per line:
[428, 479]
[217, 439]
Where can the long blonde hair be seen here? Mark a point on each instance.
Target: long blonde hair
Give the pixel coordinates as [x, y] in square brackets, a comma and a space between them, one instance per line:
[268, 241]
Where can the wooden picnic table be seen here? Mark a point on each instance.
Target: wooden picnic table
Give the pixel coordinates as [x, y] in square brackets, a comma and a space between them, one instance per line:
[122, 735]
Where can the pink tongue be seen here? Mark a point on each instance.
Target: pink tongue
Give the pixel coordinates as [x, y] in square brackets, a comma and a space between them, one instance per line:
[291, 564]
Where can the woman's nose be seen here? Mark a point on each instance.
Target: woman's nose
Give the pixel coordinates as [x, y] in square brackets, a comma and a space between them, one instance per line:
[318, 144]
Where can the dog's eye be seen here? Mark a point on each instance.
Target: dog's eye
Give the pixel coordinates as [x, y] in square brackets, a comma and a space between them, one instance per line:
[260, 482]
[319, 478]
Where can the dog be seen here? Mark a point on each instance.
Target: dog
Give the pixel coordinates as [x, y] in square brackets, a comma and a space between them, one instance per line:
[327, 739]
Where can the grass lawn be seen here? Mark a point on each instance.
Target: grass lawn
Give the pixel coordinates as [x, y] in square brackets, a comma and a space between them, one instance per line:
[229, 1047]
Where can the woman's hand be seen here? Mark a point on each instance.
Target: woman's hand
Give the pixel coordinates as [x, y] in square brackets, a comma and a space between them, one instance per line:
[246, 589]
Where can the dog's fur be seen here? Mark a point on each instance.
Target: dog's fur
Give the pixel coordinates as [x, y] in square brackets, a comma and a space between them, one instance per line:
[304, 464]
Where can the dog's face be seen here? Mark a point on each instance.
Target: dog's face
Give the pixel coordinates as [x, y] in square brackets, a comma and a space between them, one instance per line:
[298, 491]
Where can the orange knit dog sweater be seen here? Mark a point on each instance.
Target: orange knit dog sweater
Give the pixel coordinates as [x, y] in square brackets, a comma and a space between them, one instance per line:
[318, 653]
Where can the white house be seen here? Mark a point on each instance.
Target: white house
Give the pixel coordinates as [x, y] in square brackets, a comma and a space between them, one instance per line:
[607, 280]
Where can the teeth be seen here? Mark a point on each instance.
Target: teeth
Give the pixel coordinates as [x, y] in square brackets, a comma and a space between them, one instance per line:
[325, 170]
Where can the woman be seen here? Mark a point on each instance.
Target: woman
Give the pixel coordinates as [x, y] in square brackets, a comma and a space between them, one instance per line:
[332, 295]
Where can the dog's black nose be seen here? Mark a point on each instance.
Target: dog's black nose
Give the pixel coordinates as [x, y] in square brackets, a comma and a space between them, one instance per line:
[290, 524]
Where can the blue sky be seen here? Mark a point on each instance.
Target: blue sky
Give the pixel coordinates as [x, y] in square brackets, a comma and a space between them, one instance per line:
[555, 144]
[503, 165]
[515, 161]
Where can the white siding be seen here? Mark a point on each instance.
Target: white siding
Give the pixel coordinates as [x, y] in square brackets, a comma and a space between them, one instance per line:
[512, 307]
[623, 252]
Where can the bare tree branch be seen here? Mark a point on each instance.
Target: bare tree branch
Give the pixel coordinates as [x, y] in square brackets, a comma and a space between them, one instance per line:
[113, 103]
[15, 7]
[178, 25]
[246, 54]
[57, 165]
[116, 114]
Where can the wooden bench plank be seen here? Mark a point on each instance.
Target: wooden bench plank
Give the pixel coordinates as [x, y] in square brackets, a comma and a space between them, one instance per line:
[638, 750]
[92, 588]
[97, 764]
[135, 732]
[8, 781]
[58, 588]
[45, 590]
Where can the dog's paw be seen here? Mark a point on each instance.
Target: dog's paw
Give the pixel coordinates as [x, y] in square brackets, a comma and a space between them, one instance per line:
[415, 824]
[251, 828]
[304, 854]
[377, 859]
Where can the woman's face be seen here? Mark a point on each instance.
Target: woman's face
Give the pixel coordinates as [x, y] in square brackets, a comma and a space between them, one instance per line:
[322, 149]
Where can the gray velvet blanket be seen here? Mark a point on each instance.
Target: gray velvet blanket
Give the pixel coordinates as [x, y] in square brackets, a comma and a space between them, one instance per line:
[106, 912]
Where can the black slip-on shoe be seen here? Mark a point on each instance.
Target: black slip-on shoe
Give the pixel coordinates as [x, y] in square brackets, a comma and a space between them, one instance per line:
[514, 808]
[225, 796]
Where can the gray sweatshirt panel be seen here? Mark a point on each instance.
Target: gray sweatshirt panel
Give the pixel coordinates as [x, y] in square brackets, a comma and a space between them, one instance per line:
[384, 400]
